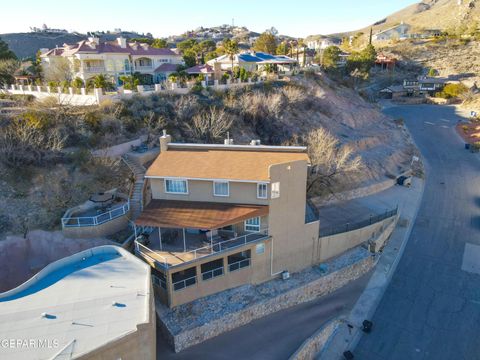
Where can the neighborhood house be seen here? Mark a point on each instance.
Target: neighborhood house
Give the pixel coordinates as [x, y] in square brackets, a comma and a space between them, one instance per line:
[221, 216]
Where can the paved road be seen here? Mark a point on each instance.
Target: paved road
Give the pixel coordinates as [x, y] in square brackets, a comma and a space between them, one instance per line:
[431, 309]
[275, 336]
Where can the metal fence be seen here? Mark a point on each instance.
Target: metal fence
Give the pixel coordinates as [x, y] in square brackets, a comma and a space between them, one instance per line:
[99, 219]
[332, 230]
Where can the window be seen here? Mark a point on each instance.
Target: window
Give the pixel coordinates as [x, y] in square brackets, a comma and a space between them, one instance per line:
[184, 278]
[239, 260]
[262, 189]
[221, 188]
[275, 190]
[212, 269]
[176, 186]
[252, 224]
[260, 248]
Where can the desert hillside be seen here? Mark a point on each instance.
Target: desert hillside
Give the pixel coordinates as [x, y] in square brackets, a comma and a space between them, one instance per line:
[276, 113]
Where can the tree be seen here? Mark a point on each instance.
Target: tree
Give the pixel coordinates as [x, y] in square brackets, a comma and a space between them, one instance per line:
[77, 83]
[266, 43]
[362, 60]
[129, 82]
[58, 70]
[283, 48]
[7, 69]
[331, 57]
[5, 52]
[210, 125]
[204, 47]
[329, 159]
[100, 81]
[159, 43]
[231, 49]
[190, 57]
[432, 72]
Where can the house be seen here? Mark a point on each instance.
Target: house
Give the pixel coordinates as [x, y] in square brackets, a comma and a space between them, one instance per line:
[396, 32]
[89, 58]
[385, 62]
[322, 44]
[95, 304]
[424, 85]
[255, 61]
[222, 216]
[394, 92]
[202, 69]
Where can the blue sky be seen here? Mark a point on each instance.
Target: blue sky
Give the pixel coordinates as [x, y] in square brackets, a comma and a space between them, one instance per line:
[291, 17]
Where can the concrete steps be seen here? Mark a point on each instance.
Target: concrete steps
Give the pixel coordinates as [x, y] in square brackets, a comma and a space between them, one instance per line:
[136, 198]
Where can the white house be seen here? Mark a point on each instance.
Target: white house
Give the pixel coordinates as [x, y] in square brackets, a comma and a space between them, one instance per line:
[253, 61]
[322, 44]
[396, 32]
[88, 58]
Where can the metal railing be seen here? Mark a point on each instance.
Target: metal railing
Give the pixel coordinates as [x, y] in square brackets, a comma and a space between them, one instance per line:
[239, 265]
[99, 219]
[210, 274]
[182, 284]
[225, 245]
[333, 230]
[92, 69]
[229, 244]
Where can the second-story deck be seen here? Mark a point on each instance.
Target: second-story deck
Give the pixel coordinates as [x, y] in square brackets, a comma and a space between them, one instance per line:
[179, 250]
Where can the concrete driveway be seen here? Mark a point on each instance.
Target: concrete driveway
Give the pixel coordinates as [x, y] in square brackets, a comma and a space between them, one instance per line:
[275, 336]
[431, 309]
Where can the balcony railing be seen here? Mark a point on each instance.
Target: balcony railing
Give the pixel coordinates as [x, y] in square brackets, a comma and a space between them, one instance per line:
[94, 69]
[99, 219]
[195, 254]
[143, 67]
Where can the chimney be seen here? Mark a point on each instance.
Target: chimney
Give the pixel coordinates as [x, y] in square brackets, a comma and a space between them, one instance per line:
[164, 140]
[122, 42]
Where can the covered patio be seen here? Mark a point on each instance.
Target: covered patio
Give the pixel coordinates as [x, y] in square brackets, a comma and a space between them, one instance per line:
[174, 232]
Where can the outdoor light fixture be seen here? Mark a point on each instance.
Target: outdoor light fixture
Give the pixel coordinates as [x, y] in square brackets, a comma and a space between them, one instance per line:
[348, 355]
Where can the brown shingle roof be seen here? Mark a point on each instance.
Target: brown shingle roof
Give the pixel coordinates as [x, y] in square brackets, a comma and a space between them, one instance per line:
[208, 163]
[196, 214]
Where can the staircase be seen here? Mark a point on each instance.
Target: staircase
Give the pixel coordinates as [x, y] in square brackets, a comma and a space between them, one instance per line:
[136, 197]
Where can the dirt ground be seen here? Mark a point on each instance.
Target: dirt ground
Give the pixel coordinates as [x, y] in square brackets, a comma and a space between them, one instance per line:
[21, 258]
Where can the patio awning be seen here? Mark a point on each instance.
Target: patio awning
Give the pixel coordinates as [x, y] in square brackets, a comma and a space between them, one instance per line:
[197, 214]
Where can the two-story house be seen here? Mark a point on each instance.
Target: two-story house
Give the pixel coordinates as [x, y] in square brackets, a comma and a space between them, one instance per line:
[91, 57]
[221, 216]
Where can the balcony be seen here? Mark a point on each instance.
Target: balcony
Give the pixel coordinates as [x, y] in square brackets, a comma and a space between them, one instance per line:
[94, 69]
[143, 67]
[174, 248]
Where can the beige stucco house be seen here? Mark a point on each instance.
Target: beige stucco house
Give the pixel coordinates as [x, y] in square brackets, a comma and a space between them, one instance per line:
[91, 57]
[220, 216]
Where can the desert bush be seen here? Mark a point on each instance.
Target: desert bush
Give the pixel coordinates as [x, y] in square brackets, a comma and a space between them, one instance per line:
[210, 125]
[451, 91]
[294, 94]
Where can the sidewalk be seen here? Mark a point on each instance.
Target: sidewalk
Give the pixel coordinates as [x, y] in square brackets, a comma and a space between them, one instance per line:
[346, 338]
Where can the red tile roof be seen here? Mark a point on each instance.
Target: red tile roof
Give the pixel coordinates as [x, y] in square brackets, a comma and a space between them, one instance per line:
[167, 67]
[200, 69]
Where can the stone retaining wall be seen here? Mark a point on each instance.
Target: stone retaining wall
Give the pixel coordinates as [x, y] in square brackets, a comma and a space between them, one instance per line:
[314, 344]
[308, 292]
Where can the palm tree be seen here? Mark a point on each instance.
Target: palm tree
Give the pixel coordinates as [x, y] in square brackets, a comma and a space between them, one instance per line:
[231, 49]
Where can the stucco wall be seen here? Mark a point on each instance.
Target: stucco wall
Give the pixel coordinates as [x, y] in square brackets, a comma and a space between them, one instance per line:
[334, 245]
[105, 229]
[202, 190]
[258, 271]
[293, 240]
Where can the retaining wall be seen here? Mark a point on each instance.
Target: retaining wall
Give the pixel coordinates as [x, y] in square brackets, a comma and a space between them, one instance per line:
[315, 343]
[308, 292]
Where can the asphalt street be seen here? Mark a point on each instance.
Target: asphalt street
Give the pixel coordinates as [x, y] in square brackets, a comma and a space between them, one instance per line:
[431, 309]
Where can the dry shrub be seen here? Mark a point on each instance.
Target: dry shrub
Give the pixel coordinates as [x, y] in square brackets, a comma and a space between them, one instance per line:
[210, 125]
[294, 94]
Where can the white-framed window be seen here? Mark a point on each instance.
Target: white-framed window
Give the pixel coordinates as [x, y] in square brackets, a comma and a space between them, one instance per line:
[275, 190]
[176, 186]
[252, 224]
[262, 190]
[221, 188]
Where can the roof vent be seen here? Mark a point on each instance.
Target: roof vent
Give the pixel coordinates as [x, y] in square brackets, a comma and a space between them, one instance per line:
[255, 142]
[228, 142]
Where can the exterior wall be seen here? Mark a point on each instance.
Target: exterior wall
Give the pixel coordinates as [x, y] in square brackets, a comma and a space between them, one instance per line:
[202, 190]
[141, 344]
[334, 245]
[293, 240]
[105, 229]
[258, 271]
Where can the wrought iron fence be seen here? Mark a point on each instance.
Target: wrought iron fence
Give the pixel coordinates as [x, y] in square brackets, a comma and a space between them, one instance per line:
[333, 230]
